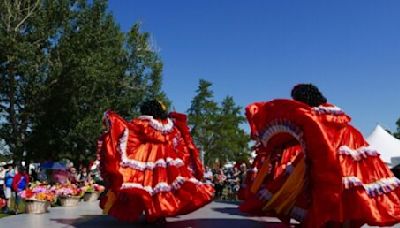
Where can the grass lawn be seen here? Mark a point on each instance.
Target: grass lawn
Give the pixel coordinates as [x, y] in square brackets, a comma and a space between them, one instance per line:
[21, 207]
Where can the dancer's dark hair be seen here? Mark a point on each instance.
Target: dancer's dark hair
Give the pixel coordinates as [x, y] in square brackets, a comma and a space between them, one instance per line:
[309, 94]
[153, 108]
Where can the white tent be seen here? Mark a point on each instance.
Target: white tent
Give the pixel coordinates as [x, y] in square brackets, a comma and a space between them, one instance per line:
[387, 145]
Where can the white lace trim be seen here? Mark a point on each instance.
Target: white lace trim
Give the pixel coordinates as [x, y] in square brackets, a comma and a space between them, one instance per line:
[328, 110]
[157, 125]
[135, 164]
[360, 153]
[378, 187]
[162, 186]
[282, 126]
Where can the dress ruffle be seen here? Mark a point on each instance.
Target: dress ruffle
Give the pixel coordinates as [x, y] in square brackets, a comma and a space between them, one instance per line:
[344, 178]
[145, 163]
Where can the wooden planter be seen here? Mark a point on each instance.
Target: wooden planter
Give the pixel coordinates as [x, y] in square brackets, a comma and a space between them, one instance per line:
[71, 201]
[36, 206]
[91, 196]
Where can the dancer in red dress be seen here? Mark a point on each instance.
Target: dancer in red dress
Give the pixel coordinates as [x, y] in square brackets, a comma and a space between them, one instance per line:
[332, 177]
[151, 166]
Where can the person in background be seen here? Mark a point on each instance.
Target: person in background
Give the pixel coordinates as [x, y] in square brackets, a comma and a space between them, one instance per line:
[219, 182]
[95, 169]
[2, 176]
[73, 176]
[34, 175]
[208, 176]
[19, 184]
[3, 202]
[8, 180]
[83, 175]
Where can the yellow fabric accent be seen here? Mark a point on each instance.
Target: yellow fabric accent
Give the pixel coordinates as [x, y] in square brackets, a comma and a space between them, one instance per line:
[283, 200]
[260, 176]
[110, 202]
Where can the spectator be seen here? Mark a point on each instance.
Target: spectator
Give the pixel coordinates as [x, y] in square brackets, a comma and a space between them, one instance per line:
[95, 169]
[2, 177]
[83, 175]
[73, 176]
[8, 180]
[19, 184]
[208, 176]
[219, 182]
[3, 202]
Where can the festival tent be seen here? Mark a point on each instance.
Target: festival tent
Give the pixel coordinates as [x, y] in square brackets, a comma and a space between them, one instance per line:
[387, 145]
[53, 165]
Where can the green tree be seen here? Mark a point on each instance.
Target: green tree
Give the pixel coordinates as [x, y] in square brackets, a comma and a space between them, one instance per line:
[216, 129]
[87, 65]
[67, 63]
[143, 72]
[27, 28]
[232, 143]
[397, 133]
[202, 116]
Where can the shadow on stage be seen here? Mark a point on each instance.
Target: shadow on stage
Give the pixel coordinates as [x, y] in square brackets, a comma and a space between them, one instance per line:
[100, 221]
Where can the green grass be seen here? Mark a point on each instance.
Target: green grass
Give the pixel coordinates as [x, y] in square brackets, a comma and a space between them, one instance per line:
[21, 207]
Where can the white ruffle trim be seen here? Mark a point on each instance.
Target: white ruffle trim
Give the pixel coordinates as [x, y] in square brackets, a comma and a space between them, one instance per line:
[157, 125]
[282, 126]
[135, 164]
[162, 186]
[328, 110]
[378, 187]
[358, 154]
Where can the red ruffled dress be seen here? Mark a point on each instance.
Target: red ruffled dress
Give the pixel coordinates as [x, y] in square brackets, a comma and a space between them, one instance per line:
[343, 180]
[151, 168]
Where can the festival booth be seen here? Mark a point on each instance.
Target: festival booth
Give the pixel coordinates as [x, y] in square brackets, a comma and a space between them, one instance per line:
[387, 145]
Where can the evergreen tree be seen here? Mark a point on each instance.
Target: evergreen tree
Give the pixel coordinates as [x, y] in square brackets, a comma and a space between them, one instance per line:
[216, 129]
[202, 116]
[397, 133]
[232, 143]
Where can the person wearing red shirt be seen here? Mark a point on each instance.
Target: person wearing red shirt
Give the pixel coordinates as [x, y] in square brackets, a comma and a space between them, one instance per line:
[20, 183]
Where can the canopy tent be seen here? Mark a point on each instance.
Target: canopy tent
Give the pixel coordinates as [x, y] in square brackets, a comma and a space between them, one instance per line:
[387, 145]
[53, 165]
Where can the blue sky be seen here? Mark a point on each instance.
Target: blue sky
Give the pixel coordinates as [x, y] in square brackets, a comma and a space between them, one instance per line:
[258, 50]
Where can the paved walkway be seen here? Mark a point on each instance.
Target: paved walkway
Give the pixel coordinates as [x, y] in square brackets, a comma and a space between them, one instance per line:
[88, 215]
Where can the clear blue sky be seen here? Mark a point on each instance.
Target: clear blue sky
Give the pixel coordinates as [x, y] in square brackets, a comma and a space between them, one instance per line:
[257, 50]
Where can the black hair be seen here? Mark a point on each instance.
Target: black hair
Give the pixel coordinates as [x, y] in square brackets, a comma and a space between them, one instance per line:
[153, 108]
[21, 169]
[309, 94]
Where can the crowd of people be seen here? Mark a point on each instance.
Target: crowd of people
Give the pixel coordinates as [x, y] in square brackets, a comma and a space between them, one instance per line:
[226, 181]
[16, 178]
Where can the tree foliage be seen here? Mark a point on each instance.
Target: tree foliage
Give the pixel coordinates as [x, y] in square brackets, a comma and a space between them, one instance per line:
[66, 62]
[397, 133]
[216, 128]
